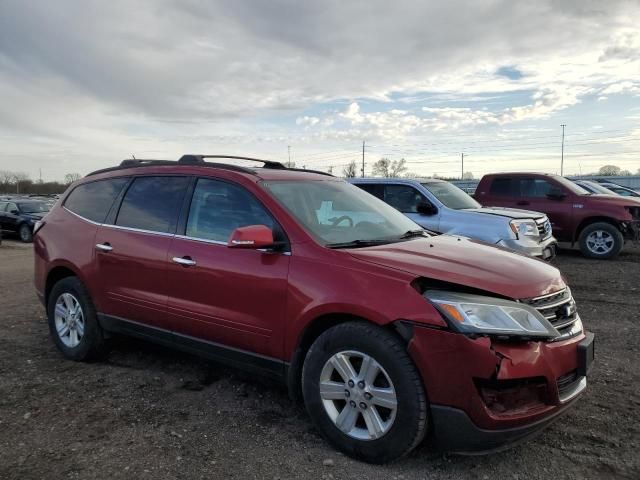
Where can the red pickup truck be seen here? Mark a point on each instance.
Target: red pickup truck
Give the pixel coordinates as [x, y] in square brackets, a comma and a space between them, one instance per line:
[598, 224]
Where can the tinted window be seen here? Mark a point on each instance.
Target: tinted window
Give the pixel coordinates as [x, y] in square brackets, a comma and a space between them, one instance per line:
[93, 200]
[218, 208]
[375, 190]
[153, 203]
[535, 187]
[501, 186]
[403, 198]
[12, 207]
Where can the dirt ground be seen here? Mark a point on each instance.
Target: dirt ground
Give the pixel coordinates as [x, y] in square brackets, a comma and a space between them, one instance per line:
[148, 412]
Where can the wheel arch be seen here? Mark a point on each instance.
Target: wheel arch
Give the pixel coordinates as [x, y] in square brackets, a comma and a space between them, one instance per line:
[311, 332]
[591, 220]
[54, 275]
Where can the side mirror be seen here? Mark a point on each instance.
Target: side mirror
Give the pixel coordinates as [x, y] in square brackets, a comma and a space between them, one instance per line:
[426, 208]
[253, 236]
[556, 194]
[15, 212]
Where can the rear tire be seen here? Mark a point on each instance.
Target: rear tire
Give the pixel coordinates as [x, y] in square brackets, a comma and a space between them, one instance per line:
[363, 392]
[601, 240]
[73, 322]
[25, 233]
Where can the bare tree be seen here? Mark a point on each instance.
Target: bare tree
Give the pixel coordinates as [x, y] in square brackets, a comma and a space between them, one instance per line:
[18, 178]
[468, 176]
[609, 170]
[387, 168]
[330, 170]
[71, 177]
[625, 173]
[6, 176]
[290, 164]
[350, 170]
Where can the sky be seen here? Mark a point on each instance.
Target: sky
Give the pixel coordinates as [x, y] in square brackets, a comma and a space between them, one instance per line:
[85, 84]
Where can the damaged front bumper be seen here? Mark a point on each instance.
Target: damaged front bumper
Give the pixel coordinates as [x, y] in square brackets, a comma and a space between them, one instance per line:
[486, 395]
[631, 230]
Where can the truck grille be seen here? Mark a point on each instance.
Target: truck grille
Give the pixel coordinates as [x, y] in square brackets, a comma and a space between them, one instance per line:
[544, 227]
[558, 308]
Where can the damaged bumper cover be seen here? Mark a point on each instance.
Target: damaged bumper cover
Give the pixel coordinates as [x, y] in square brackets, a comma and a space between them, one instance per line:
[631, 230]
[486, 395]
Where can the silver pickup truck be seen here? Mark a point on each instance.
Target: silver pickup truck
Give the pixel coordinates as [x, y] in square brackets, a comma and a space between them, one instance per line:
[442, 207]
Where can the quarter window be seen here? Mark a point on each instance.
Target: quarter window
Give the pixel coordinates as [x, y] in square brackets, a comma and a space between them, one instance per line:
[93, 200]
[218, 208]
[153, 203]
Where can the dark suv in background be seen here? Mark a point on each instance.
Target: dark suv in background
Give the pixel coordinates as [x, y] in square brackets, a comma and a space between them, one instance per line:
[598, 224]
[388, 334]
[19, 216]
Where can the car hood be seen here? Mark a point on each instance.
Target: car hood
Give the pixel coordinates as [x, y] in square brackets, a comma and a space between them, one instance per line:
[467, 262]
[618, 200]
[507, 212]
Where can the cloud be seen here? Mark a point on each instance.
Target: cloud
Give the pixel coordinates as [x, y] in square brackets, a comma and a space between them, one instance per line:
[109, 77]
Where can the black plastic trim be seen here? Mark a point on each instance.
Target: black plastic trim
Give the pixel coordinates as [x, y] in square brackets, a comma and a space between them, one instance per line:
[453, 431]
[271, 367]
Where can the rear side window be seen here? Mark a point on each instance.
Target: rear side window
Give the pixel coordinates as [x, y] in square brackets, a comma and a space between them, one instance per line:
[153, 203]
[373, 189]
[93, 200]
[502, 187]
[218, 208]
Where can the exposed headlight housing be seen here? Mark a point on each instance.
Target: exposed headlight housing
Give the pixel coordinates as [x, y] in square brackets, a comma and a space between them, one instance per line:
[476, 314]
[527, 228]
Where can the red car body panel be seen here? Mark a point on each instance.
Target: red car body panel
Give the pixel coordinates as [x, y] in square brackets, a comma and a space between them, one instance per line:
[566, 215]
[264, 302]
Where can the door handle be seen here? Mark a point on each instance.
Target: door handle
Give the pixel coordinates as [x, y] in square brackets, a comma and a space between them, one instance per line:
[522, 202]
[186, 261]
[105, 247]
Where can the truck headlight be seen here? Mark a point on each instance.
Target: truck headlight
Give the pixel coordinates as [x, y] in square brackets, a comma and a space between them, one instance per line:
[527, 228]
[477, 314]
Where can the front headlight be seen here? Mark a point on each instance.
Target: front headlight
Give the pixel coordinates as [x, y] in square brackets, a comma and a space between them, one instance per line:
[527, 228]
[490, 316]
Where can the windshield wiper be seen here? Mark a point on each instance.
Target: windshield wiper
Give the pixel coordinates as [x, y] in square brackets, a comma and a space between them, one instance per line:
[359, 243]
[414, 233]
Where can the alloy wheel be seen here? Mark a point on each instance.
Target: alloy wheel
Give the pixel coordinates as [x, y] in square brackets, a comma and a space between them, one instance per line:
[69, 320]
[600, 242]
[358, 395]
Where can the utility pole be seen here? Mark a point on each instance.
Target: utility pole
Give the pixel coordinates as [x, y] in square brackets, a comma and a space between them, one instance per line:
[462, 172]
[289, 153]
[363, 159]
[562, 152]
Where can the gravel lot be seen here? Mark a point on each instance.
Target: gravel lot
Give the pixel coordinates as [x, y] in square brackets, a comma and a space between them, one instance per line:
[148, 412]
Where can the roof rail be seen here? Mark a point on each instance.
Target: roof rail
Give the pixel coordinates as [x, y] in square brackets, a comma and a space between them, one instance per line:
[192, 159]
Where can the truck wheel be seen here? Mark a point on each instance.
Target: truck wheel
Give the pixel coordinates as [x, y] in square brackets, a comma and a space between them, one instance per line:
[73, 322]
[363, 392]
[25, 233]
[601, 240]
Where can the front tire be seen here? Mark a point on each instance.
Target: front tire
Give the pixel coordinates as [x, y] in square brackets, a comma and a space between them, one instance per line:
[601, 240]
[25, 233]
[364, 393]
[73, 322]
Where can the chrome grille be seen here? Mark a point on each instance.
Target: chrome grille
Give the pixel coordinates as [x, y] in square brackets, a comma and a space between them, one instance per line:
[544, 227]
[558, 307]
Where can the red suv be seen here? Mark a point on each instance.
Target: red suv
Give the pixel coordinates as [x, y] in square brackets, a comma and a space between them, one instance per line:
[387, 333]
[598, 224]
